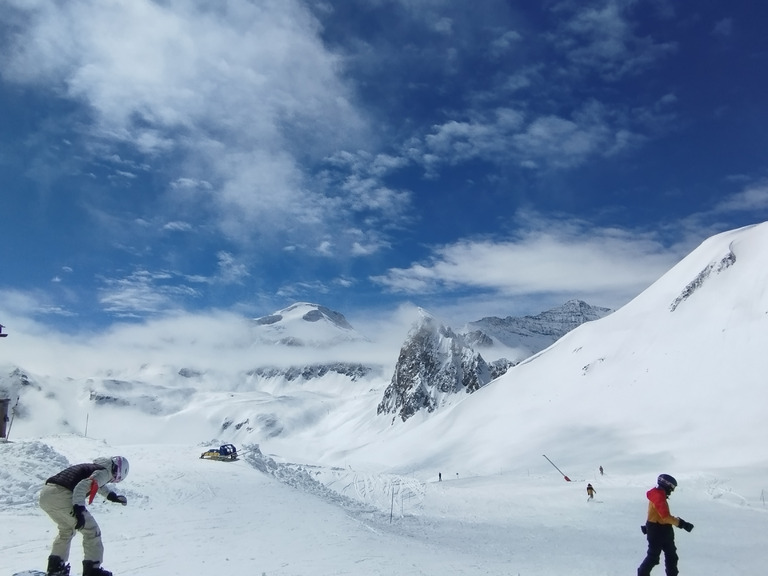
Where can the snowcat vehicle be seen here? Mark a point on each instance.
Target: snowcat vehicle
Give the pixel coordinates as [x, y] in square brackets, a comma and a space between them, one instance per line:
[225, 453]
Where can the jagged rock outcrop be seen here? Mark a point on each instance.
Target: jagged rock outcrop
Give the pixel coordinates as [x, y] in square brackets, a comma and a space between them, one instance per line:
[499, 367]
[434, 364]
[713, 268]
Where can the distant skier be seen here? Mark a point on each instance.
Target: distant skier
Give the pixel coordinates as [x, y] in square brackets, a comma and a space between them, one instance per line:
[601, 470]
[590, 492]
[658, 528]
[63, 499]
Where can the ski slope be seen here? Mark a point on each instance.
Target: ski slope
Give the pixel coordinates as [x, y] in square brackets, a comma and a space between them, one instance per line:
[673, 383]
[262, 516]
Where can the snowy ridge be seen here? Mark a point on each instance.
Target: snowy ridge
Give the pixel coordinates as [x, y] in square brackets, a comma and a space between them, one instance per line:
[521, 337]
[353, 371]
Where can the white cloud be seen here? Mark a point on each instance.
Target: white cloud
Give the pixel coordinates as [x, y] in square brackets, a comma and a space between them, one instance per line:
[325, 248]
[144, 292]
[359, 249]
[600, 37]
[360, 176]
[753, 197]
[160, 292]
[550, 141]
[243, 95]
[505, 41]
[302, 290]
[443, 26]
[230, 270]
[177, 226]
[190, 183]
[544, 257]
[723, 27]
[29, 303]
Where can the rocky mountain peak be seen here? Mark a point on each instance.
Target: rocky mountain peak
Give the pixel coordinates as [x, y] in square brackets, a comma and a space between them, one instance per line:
[434, 364]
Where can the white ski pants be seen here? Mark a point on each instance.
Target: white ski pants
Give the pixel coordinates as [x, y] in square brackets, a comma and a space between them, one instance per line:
[56, 501]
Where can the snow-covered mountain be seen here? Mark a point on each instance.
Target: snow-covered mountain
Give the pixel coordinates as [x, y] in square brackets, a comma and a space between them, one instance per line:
[523, 336]
[433, 366]
[685, 356]
[296, 353]
[683, 360]
[305, 324]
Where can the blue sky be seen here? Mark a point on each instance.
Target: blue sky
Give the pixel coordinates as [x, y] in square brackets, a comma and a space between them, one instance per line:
[484, 158]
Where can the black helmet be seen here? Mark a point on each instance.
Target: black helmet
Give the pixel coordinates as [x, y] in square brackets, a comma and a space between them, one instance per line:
[667, 482]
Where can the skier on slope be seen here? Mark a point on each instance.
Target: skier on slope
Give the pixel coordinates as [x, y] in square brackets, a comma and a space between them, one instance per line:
[590, 492]
[658, 528]
[63, 499]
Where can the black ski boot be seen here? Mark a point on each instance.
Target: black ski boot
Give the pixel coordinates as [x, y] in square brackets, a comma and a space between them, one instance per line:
[56, 567]
[91, 568]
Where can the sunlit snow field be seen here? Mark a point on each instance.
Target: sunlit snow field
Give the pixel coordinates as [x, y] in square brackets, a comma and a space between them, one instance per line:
[193, 516]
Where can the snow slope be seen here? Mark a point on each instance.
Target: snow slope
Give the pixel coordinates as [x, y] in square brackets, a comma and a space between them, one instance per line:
[685, 386]
[672, 382]
[192, 516]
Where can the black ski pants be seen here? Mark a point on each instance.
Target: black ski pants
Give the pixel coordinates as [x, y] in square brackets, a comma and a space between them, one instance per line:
[661, 538]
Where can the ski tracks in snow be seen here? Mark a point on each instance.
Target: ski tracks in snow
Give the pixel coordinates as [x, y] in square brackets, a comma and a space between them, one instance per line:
[350, 489]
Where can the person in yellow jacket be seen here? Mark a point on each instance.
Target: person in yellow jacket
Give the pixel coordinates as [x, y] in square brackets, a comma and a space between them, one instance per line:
[658, 529]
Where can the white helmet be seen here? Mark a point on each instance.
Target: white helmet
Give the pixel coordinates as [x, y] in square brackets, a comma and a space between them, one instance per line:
[119, 468]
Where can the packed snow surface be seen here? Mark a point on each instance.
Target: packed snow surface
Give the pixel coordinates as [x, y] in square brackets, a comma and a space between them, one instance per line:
[257, 516]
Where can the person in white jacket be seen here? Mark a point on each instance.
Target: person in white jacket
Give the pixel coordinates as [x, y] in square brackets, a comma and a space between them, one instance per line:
[64, 497]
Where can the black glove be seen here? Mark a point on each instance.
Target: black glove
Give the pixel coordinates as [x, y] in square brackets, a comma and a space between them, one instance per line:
[112, 497]
[78, 511]
[687, 526]
[643, 529]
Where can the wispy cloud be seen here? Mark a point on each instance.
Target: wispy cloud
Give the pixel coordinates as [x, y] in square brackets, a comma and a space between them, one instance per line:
[177, 226]
[532, 140]
[564, 257]
[243, 98]
[160, 292]
[600, 36]
[723, 28]
[143, 292]
[230, 270]
[31, 303]
[753, 198]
